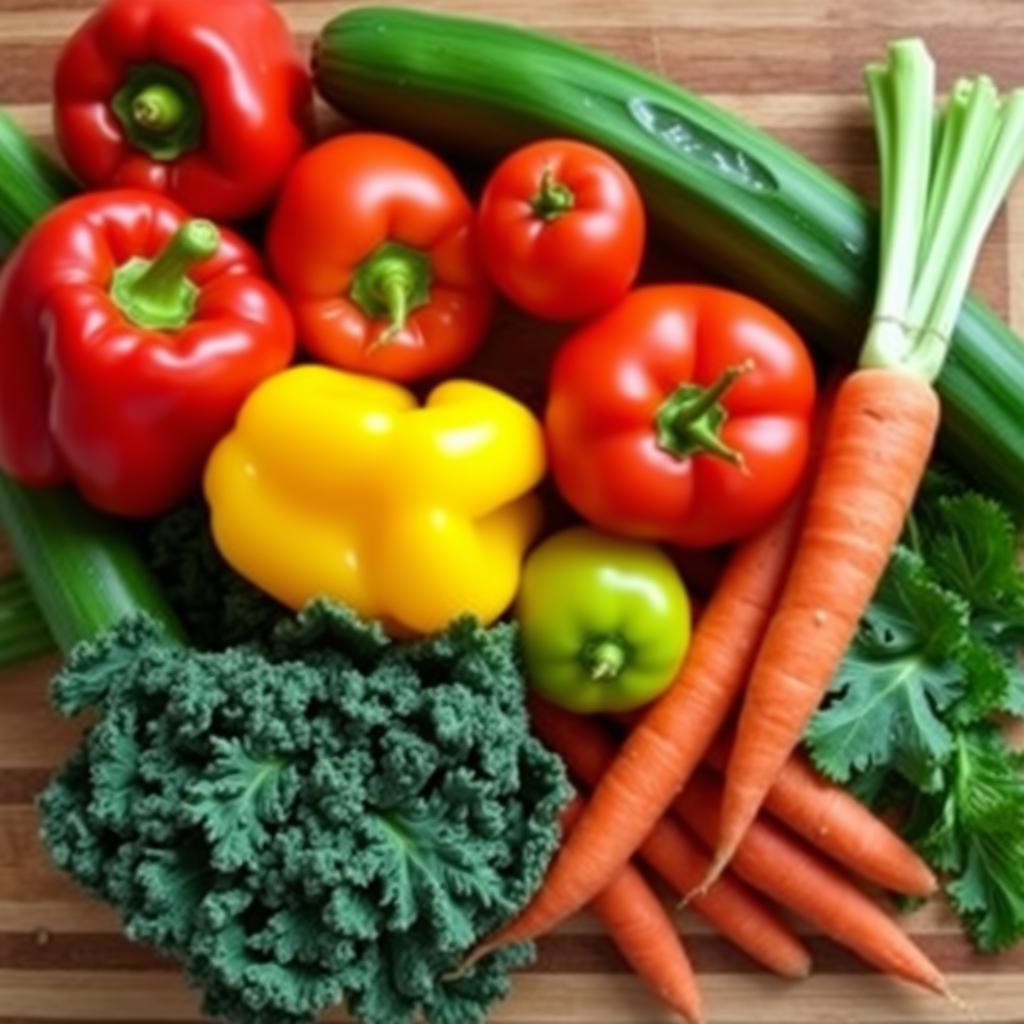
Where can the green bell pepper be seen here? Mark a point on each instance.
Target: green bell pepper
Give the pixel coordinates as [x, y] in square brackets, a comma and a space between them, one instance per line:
[605, 622]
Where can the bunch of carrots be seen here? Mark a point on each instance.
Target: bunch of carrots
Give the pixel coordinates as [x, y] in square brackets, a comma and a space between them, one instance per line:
[787, 607]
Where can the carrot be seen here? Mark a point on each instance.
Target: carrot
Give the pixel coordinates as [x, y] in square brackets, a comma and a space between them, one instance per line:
[645, 935]
[672, 852]
[838, 824]
[876, 450]
[789, 872]
[937, 204]
[670, 740]
[778, 865]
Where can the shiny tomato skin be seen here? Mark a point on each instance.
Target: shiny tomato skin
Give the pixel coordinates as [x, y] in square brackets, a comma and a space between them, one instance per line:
[574, 264]
[611, 378]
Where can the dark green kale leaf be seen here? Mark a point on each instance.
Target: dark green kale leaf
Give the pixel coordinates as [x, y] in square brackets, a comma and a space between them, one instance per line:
[325, 815]
[218, 606]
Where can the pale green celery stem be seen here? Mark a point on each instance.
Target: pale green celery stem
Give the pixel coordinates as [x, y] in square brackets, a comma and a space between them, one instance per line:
[902, 99]
[949, 174]
[974, 113]
[999, 170]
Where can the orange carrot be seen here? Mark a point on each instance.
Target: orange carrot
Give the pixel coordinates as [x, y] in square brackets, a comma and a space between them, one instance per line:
[787, 871]
[673, 853]
[840, 825]
[876, 450]
[645, 935]
[779, 865]
[669, 742]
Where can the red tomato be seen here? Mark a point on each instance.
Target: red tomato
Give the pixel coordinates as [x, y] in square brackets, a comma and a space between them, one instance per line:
[562, 229]
[681, 415]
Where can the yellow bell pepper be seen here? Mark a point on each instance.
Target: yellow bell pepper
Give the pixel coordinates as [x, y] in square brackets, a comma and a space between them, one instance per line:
[337, 485]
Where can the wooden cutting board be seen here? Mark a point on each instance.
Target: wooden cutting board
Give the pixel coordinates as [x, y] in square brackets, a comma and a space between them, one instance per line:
[792, 67]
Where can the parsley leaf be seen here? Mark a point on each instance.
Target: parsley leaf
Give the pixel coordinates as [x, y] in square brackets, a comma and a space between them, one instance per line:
[913, 717]
[901, 673]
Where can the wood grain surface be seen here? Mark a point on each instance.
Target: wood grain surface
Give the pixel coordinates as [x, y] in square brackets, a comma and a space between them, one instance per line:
[793, 68]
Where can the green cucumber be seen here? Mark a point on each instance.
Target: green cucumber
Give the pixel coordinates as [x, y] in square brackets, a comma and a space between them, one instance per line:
[747, 207]
[83, 569]
[23, 633]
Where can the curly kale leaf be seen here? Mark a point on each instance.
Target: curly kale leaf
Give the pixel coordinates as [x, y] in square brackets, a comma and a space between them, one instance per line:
[219, 607]
[323, 815]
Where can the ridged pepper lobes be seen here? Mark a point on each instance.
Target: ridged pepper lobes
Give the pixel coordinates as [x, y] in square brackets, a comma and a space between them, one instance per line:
[682, 414]
[343, 486]
[206, 101]
[130, 335]
[604, 621]
[374, 242]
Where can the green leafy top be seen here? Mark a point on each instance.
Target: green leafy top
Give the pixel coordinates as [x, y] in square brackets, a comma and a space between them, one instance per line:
[325, 815]
[911, 715]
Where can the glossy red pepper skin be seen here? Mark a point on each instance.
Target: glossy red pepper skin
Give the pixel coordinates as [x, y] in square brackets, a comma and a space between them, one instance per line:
[346, 202]
[612, 379]
[252, 89]
[127, 414]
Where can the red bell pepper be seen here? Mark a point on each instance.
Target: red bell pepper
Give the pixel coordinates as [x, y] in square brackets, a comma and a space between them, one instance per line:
[374, 242]
[681, 415]
[207, 101]
[129, 338]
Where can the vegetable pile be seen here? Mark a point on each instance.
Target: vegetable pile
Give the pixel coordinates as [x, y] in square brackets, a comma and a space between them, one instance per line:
[302, 578]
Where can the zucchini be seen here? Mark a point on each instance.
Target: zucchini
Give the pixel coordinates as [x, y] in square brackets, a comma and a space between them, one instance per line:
[83, 570]
[751, 210]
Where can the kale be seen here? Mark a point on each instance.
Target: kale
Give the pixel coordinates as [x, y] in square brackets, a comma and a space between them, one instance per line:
[218, 606]
[324, 815]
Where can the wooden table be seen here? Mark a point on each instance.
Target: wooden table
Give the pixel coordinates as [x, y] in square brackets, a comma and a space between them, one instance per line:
[791, 66]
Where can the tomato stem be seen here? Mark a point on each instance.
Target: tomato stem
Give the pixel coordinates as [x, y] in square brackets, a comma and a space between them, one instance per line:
[690, 420]
[604, 660]
[389, 284]
[157, 294]
[553, 198]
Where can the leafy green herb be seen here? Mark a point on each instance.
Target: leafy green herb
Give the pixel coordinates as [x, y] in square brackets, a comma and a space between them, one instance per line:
[320, 816]
[914, 712]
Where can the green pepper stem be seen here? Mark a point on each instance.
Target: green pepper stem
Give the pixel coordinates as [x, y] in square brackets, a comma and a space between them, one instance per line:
[389, 284]
[160, 111]
[553, 198]
[690, 420]
[157, 294]
[604, 660]
[159, 108]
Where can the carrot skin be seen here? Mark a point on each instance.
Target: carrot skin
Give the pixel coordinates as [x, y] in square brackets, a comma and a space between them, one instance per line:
[649, 941]
[836, 823]
[674, 854]
[787, 871]
[647, 938]
[876, 450]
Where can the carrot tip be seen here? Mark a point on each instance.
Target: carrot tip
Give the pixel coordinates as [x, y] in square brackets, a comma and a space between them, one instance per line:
[959, 1002]
[718, 865]
[475, 956]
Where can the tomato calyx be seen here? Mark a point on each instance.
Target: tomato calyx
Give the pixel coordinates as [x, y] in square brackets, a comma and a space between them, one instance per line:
[389, 284]
[689, 422]
[553, 199]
